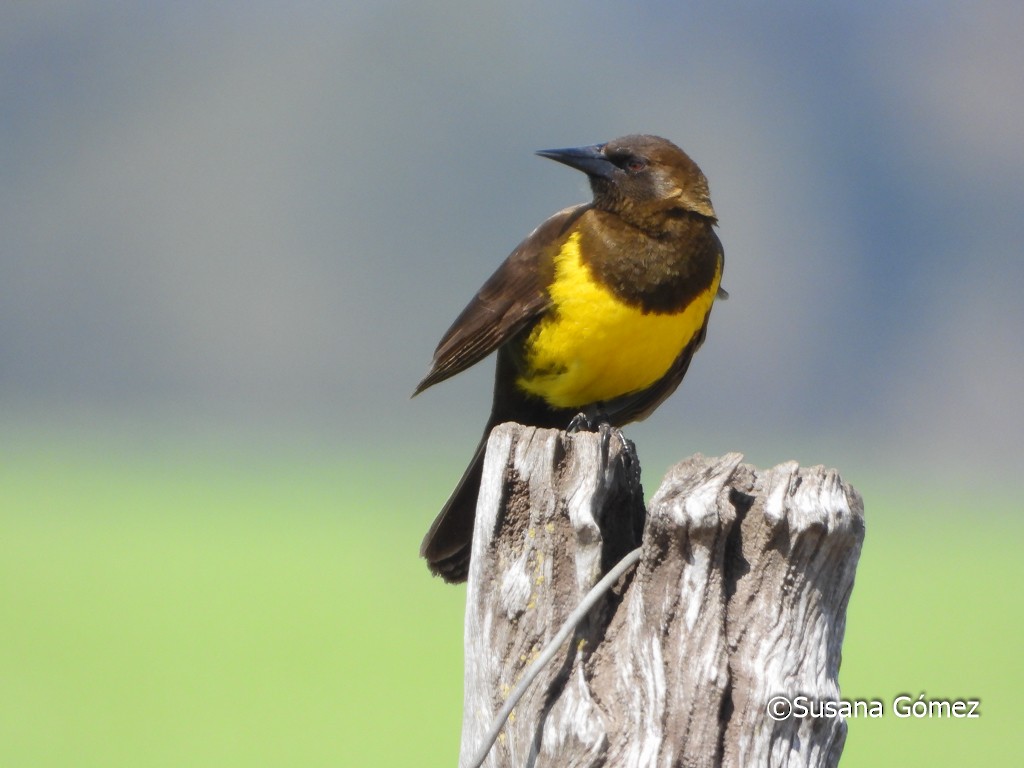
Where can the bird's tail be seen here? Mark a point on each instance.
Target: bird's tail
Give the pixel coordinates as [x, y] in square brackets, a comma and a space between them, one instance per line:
[447, 544]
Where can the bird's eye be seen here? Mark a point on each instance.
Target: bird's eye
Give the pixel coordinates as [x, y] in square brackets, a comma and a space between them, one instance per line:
[633, 163]
[628, 162]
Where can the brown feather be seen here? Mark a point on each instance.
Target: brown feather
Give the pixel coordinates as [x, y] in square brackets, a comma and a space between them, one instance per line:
[511, 298]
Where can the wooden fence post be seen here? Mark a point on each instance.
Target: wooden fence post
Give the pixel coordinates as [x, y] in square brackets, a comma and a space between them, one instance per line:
[740, 596]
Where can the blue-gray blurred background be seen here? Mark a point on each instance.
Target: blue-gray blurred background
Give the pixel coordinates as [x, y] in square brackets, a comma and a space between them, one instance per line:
[265, 215]
[231, 234]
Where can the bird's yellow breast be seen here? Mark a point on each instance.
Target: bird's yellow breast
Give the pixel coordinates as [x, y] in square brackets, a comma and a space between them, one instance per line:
[593, 347]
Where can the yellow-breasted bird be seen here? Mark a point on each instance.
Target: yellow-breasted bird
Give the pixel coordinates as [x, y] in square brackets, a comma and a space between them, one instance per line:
[595, 315]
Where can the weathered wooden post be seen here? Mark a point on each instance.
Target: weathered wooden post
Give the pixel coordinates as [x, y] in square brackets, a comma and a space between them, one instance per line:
[740, 596]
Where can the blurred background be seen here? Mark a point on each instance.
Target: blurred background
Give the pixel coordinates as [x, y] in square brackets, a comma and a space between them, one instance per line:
[231, 235]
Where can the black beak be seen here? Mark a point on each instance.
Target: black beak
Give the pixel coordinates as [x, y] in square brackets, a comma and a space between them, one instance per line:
[590, 160]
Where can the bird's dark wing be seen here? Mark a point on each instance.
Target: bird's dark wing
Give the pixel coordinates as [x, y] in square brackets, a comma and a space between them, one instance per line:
[511, 298]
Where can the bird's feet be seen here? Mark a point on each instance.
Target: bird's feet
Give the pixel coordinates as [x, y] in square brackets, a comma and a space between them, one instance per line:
[590, 419]
[580, 423]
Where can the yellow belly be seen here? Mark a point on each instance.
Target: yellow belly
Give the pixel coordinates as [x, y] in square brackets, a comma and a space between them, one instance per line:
[593, 347]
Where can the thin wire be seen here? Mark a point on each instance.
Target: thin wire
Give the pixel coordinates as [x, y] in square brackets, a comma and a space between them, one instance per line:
[567, 628]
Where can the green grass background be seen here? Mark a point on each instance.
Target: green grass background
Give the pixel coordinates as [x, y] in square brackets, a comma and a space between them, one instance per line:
[194, 608]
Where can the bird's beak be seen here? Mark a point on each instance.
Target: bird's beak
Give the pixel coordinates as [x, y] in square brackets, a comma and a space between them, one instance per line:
[590, 160]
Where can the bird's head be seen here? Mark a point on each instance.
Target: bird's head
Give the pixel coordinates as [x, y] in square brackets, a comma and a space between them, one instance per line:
[641, 178]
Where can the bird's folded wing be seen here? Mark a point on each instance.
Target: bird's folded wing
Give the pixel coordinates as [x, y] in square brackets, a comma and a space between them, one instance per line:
[512, 297]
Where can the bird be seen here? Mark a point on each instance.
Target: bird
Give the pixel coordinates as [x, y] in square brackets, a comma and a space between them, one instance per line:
[595, 316]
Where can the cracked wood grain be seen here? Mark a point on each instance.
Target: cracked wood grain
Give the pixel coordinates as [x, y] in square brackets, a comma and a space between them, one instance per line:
[740, 595]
